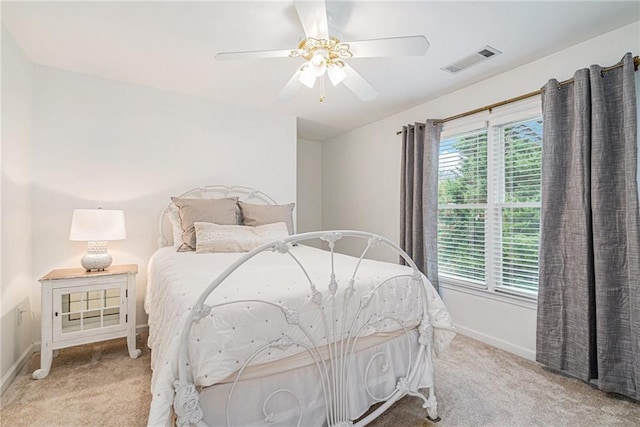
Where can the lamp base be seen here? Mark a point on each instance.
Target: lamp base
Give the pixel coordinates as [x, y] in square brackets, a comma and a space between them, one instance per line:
[96, 258]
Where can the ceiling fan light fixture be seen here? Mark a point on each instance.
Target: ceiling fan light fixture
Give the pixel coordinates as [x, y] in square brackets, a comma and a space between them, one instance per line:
[318, 70]
[319, 57]
[336, 74]
[308, 76]
[318, 63]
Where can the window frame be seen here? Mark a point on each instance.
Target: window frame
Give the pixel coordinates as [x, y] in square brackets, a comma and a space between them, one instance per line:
[492, 121]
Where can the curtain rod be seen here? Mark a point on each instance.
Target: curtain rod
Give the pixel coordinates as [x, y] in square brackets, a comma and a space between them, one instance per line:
[636, 65]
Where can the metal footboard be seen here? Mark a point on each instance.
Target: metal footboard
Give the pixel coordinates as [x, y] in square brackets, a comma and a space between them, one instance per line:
[335, 364]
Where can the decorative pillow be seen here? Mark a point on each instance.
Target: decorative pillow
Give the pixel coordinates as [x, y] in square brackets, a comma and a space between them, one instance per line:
[255, 215]
[220, 211]
[236, 238]
[176, 226]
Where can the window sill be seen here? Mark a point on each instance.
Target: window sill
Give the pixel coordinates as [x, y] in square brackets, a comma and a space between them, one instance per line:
[521, 301]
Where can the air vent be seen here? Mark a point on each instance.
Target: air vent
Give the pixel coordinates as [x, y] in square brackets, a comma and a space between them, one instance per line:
[481, 55]
[452, 69]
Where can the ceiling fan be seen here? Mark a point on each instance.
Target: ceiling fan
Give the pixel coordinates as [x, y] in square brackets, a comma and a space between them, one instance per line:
[326, 55]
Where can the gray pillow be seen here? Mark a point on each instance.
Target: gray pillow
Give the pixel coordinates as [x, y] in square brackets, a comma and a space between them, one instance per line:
[217, 211]
[255, 215]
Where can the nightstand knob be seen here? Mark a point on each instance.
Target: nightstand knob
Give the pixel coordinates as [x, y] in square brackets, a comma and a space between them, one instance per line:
[56, 313]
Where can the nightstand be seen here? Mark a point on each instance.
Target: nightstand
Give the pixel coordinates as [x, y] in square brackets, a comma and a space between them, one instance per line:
[81, 307]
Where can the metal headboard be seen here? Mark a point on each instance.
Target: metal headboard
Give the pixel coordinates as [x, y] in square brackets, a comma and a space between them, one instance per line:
[244, 194]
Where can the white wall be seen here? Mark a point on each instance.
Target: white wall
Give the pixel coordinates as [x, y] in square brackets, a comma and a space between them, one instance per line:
[361, 176]
[105, 143]
[309, 204]
[15, 218]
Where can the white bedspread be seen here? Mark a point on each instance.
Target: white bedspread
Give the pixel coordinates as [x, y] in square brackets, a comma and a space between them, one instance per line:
[221, 342]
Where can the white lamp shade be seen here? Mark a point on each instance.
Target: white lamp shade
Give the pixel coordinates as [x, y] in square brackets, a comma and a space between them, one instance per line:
[97, 225]
[336, 74]
[308, 77]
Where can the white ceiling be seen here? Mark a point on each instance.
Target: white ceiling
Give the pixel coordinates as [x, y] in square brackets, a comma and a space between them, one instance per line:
[170, 45]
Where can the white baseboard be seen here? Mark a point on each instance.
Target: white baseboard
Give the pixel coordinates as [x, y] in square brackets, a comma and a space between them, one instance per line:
[498, 343]
[15, 368]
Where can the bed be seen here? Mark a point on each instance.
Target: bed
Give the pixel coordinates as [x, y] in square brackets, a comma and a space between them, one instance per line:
[286, 333]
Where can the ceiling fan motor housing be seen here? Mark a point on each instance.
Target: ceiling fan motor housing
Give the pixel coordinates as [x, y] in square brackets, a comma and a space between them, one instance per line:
[331, 49]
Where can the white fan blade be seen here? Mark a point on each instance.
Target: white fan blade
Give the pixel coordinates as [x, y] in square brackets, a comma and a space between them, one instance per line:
[358, 85]
[291, 88]
[313, 17]
[257, 54]
[393, 46]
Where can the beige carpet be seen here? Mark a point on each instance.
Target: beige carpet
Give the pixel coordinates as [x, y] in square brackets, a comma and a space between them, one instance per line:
[476, 385]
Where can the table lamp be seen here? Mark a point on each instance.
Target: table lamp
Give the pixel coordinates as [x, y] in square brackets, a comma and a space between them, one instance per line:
[96, 227]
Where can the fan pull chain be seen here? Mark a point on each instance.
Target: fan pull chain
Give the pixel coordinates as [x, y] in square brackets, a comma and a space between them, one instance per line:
[322, 95]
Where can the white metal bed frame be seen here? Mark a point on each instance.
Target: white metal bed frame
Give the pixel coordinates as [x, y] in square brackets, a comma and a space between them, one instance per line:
[334, 372]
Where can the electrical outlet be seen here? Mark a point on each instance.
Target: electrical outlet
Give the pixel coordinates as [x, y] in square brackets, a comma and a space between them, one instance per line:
[19, 312]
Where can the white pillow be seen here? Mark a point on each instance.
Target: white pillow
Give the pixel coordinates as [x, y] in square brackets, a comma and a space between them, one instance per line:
[236, 238]
[176, 226]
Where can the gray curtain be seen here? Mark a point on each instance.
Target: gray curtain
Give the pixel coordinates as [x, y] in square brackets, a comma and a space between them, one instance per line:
[589, 296]
[419, 196]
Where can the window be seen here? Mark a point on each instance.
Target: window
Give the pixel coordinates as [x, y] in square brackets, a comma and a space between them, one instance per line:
[462, 206]
[489, 204]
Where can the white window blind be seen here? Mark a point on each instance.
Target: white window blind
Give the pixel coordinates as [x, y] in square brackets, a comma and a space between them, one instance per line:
[489, 206]
[462, 206]
[517, 208]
